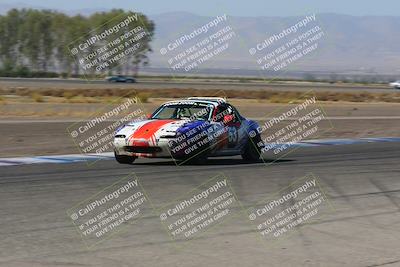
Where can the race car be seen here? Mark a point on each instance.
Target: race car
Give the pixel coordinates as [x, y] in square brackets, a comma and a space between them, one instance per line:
[191, 130]
[395, 84]
[120, 79]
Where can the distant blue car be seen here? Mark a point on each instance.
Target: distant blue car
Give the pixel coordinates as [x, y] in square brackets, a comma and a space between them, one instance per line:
[120, 79]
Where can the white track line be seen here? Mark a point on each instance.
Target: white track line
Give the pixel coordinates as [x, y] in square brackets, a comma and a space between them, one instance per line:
[69, 158]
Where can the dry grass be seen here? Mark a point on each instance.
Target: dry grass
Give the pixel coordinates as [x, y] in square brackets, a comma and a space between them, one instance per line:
[144, 97]
[68, 94]
[106, 95]
[83, 99]
[37, 97]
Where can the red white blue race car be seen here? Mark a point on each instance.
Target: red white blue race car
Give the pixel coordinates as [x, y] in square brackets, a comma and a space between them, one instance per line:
[189, 130]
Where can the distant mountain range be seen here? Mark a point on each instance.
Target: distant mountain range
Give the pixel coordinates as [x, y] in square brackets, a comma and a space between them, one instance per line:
[351, 44]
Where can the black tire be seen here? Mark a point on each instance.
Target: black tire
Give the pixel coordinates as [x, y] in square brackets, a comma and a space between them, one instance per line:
[123, 159]
[252, 151]
[199, 156]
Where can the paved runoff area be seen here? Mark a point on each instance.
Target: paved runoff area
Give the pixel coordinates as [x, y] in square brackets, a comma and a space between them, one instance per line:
[323, 205]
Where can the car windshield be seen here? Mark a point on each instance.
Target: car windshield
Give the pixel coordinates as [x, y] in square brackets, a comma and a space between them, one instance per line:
[183, 111]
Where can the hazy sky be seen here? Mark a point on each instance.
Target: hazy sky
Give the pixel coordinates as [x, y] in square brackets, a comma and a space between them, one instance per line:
[231, 7]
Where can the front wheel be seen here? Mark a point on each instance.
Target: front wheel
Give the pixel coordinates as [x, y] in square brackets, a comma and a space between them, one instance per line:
[124, 159]
[200, 158]
[197, 156]
[252, 150]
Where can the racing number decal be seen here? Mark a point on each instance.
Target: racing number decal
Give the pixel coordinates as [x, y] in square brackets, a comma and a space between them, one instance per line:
[232, 136]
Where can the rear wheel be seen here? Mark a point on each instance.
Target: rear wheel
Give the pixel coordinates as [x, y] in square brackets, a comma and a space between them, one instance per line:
[252, 150]
[124, 159]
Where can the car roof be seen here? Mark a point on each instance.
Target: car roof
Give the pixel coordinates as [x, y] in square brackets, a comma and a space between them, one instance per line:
[191, 100]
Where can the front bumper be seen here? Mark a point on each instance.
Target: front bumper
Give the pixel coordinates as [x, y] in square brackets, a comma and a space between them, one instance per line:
[142, 148]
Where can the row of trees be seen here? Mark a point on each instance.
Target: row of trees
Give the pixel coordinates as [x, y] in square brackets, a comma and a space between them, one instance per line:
[37, 40]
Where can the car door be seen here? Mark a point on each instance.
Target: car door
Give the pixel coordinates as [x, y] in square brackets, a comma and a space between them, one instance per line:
[238, 129]
[227, 116]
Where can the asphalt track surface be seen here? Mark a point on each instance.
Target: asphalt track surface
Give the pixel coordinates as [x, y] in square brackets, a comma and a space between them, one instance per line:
[361, 181]
[184, 84]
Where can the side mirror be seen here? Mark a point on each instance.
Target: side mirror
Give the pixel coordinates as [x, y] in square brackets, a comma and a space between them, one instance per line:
[228, 119]
[148, 116]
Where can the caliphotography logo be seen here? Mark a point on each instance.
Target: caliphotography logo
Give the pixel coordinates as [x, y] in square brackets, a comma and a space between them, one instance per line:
[202, 133]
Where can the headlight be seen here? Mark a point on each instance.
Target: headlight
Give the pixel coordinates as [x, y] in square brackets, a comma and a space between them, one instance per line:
[120, 127]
